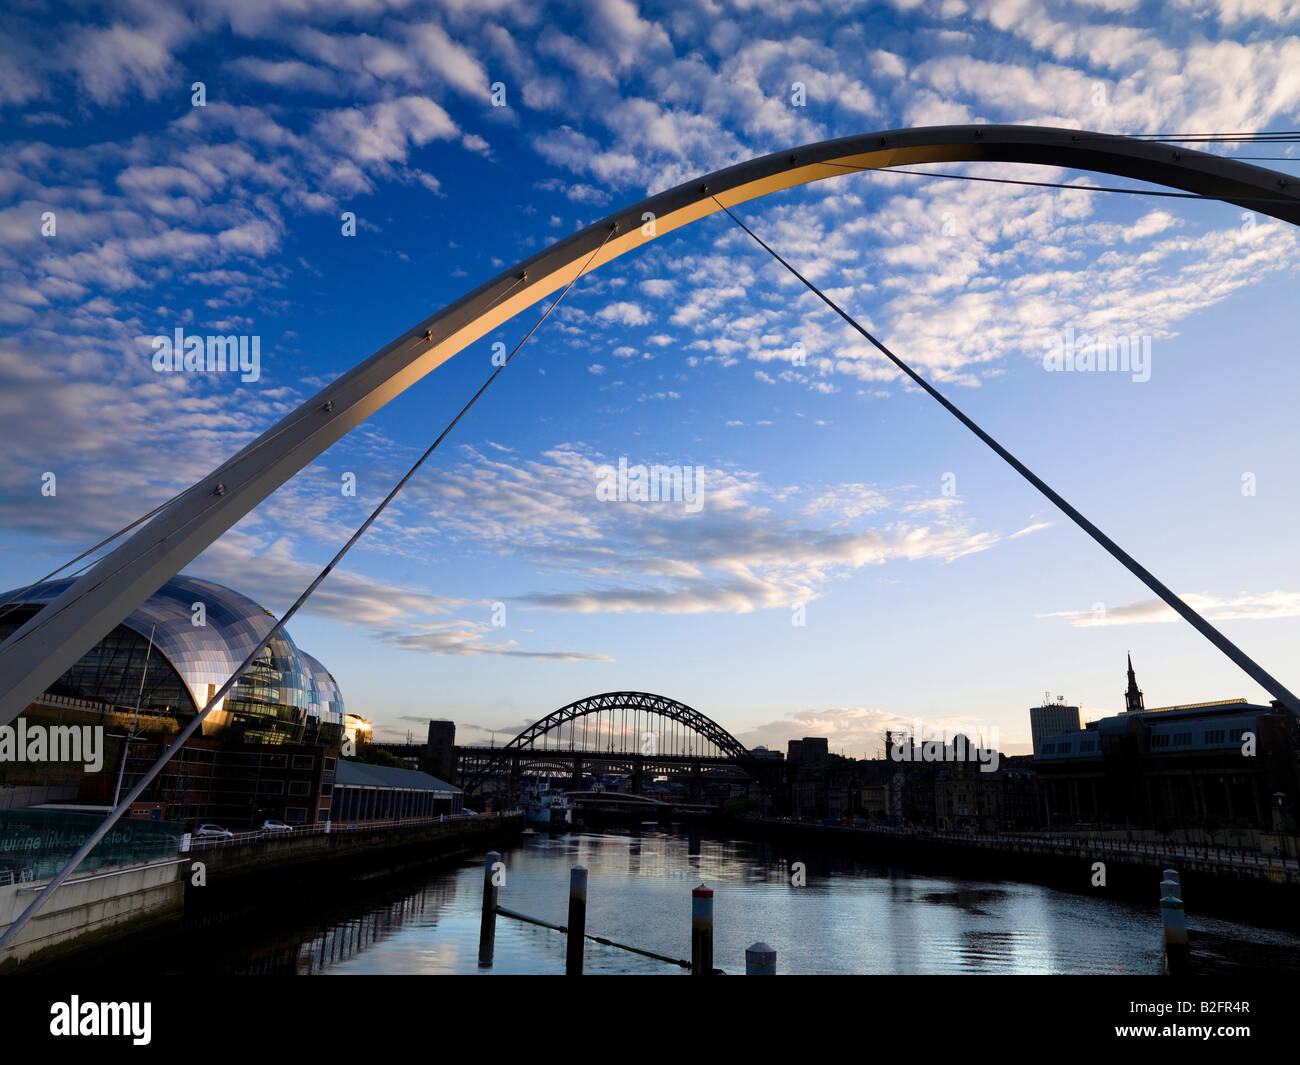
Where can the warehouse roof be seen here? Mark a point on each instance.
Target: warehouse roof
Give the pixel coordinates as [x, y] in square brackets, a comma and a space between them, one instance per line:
[364, 775]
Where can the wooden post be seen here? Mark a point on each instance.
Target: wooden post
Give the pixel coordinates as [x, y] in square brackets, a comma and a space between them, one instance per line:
[577, 920]
[760, 960]
[1177, 957]
[702, 931]
[487, 933]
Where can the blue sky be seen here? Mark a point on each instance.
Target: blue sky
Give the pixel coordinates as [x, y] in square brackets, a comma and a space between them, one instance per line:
[824, 482]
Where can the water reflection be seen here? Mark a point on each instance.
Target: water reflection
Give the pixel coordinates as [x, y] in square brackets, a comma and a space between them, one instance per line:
[849, 918]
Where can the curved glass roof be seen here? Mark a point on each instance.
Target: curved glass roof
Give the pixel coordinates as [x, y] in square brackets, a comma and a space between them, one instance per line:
[205, 655]
[331, 699]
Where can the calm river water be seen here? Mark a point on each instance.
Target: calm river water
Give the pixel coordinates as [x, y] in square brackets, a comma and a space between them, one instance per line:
[849, 918]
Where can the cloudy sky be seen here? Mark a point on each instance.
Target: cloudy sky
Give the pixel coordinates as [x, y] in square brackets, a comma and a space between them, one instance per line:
[931, 581]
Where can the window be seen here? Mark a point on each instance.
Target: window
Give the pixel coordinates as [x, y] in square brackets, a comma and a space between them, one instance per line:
[1234, 735]
[326, 790]
[270, 787]
[323, 814]
[299, 787]
[1160, 741]
[304, 761]
[1214, 735]
[331, 764]
[274, 761]
[1087, 746]
[1182, 739]
[295, 815]
[1049, 748]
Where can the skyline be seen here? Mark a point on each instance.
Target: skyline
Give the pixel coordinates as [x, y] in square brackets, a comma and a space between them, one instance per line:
[828, 485]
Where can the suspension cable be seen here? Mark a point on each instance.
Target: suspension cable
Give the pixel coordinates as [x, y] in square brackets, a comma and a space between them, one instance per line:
[1282, 136]
[1244, 661]
[193, 725]
[248, 451]
[1164, 193]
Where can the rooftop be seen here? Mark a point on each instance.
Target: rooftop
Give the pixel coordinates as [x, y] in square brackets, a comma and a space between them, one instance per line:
[365, 775]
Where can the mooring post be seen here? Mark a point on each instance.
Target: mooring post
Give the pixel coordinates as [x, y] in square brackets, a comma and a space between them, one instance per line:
[577, 920]
[702, 931]
[1178, 960]
[487, 932]
[1171, 877]
[760, 960]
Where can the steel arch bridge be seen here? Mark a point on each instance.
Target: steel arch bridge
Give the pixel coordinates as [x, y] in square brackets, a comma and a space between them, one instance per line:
[628, 730]
[38, 653]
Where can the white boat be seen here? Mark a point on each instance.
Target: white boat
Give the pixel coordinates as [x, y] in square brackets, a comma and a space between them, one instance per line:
[542, 806]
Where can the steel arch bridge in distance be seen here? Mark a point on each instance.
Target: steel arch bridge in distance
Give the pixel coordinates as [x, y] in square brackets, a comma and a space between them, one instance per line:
[699, 740]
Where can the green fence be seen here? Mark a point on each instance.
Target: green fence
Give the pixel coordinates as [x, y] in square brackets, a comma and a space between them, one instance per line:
[35, 844]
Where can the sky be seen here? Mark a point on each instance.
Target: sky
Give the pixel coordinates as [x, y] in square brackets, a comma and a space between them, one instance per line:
[856, 560]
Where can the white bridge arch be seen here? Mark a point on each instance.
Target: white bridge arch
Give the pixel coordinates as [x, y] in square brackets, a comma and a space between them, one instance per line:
[39, 652]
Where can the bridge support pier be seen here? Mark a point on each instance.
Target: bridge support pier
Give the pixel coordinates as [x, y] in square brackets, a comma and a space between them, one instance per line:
[697, 783]
[638, 775]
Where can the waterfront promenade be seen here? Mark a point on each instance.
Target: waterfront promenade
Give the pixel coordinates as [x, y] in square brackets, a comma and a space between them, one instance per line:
[1064, 844]
[226, 876]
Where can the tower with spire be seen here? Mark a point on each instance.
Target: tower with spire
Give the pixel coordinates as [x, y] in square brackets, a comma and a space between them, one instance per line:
[1133, 697]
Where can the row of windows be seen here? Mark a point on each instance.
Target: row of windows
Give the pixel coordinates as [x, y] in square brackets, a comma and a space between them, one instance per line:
[1087, 746]
[1159, 741]
[266, 761]
[1209, 735]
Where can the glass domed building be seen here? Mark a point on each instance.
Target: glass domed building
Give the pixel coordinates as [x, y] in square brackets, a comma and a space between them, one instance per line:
[172, 654]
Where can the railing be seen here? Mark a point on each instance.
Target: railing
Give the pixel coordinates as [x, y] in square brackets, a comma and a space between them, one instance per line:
[1074, 844]
[576, 934]
[329, 827]
[119, 871]
[111, 712]
[9, 877]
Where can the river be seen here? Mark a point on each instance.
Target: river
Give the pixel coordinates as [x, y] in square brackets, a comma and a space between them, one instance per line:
[847, 918]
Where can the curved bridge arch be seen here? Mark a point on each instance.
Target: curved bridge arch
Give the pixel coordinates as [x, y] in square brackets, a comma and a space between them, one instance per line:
[38, 653]
[641, 702]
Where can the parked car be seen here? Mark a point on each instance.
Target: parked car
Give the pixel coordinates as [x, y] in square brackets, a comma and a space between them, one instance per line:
[213, 832]
[276, 826]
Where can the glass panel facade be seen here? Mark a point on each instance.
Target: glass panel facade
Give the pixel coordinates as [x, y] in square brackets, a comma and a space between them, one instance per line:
[111, 671]
[202, 632]
[37, 843]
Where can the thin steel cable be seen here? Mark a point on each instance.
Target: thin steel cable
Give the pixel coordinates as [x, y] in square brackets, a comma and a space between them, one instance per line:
[1283, 136]
[193, 725]
[252, 449]
[1231, 650]
[1165, 193]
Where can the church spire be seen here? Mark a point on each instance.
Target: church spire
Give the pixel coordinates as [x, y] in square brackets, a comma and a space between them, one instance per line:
[1133, 697]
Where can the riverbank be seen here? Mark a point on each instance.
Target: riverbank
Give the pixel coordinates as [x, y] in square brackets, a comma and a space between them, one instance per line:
[215, 887]
[1259, 893]
[849, 916]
